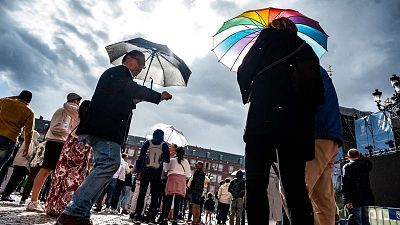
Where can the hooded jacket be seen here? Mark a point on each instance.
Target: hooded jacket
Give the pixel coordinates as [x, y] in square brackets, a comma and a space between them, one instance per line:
[63, 122]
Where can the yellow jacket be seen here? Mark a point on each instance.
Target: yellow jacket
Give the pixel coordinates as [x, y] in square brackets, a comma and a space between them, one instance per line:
[15, 115]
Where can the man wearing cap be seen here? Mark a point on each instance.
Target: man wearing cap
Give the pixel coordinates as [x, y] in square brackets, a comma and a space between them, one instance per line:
[106, 126]
[63, 122]
[15, 114]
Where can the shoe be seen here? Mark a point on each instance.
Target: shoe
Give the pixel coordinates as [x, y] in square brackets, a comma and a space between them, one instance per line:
[65, 219]
[137, 219]
[7, 199]
[107, 210]
[22, 202]
[164, 222]
[125, 212]
[35, 207]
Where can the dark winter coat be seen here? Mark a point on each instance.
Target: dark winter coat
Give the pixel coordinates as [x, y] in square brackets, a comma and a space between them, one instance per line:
[110, 110]
[328, 124]
[284, 98]
[356, 186]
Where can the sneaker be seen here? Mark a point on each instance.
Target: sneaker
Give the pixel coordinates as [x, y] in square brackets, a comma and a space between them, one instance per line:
[7, 199]
[65, 219]
[35, 207]
[125, 212]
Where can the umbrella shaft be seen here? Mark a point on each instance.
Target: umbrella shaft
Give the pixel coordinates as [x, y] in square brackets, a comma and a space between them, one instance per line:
[151, 60]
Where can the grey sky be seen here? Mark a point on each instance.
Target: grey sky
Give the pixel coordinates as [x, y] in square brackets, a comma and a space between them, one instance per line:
[57, 48]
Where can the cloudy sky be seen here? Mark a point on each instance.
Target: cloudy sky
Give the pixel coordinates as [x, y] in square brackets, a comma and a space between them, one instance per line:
[56, 47]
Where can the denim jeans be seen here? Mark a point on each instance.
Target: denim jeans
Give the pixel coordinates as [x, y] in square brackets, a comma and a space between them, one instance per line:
[107, 158]
[360, 215]
[7, 147]
[110, 191]
[123, 199]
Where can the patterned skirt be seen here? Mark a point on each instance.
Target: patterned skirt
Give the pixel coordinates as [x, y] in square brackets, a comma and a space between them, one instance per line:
[69, 174]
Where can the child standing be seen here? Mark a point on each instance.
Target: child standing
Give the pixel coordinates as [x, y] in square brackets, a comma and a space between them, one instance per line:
[209, 207]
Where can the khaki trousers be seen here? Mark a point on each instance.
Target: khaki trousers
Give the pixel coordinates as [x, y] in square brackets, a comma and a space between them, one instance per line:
[319, 181]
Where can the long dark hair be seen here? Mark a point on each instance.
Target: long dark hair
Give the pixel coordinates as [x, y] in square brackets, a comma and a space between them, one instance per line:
[83, 107]
[180, 152]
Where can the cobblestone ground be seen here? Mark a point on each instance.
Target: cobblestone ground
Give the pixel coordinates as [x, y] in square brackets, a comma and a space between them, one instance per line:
[11, 213]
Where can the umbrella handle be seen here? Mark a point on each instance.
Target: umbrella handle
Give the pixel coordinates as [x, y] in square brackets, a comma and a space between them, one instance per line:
[151, 84]
[151, 60]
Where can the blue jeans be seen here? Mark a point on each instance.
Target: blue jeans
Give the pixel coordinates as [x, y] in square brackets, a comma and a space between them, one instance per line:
[7, 147]
[360, 215]
[110, 191]
[107, 158]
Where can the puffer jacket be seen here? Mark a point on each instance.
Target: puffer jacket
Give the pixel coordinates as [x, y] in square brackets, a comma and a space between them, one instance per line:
[224, 196]
[63, 122]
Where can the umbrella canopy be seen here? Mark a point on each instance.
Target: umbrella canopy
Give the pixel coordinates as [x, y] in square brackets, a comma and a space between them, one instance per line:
[236, 36]
[171, 134]
[163, 66]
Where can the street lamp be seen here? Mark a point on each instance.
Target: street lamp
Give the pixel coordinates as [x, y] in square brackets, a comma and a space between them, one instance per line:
[392, 104]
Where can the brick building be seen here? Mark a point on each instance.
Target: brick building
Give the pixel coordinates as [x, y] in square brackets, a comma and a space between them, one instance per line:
[219, 165]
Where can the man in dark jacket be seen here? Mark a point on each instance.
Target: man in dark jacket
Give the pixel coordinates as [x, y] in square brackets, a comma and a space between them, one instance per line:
[356, 187]
[105, 125]
[328, 138]
[237, 188]
[283, 99]
[149, 168]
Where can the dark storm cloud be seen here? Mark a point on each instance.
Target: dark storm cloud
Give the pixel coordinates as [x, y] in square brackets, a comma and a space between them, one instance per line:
[21, 55]
[212, 94]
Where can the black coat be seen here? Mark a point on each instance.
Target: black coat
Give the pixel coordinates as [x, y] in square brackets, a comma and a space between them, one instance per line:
[284, 98]
[108, 115]
[356, 186]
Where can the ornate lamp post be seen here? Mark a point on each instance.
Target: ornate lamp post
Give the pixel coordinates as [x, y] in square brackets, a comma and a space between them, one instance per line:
[392, 104]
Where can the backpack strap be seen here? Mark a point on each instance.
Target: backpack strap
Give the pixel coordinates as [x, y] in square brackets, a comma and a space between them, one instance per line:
[272, 65]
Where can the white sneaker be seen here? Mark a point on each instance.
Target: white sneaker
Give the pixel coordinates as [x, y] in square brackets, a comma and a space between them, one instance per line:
[35, 207]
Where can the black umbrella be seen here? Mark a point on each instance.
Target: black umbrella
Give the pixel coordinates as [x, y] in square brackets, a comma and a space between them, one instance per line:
[163, 66]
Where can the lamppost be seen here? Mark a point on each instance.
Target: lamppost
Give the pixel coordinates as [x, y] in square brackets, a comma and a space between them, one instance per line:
[392, 104]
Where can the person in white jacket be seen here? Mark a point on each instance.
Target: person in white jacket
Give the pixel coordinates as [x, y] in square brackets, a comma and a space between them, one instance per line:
[178, 171]
[63, 122]
[21, 167]
[224, 201]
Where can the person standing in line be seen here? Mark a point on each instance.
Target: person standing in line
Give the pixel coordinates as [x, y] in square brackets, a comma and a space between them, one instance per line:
[35, 165]
[21, 167]
[356, 186]
[15, 115]
[63, 122]
[135, 194]
[178, 171]
[280, 78]
[197, 184]
[237, 188]
[105, 126]
[120, 182]
[126, 191]
[328, 138]
[209, 207]
[153, 154]
[70, 171]
[224, 201]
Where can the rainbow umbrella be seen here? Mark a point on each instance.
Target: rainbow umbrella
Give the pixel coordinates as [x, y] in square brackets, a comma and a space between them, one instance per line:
[236, 36]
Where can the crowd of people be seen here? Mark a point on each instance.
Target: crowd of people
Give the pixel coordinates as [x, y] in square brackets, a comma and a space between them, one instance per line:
[293, 119]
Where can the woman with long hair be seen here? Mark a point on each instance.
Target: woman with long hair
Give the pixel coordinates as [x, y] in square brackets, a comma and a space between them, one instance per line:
[178, 170]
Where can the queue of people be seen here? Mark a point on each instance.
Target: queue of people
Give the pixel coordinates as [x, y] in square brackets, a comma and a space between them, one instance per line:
[295, 123]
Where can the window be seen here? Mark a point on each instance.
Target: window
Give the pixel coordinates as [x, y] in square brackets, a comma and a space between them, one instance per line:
[219, 178]
[213, 178]
[192, 162]
[212, 189]
[220, 167]
[214, 166]
[207, 165]
[230, 169]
